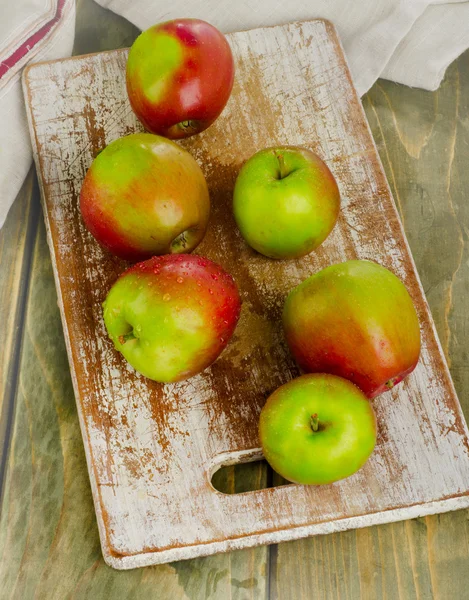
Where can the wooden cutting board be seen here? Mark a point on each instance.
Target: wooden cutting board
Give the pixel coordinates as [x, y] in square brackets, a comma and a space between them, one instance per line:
[152, 449]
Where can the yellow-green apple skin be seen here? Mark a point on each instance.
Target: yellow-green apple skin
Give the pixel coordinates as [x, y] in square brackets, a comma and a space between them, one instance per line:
[286, 202]
[144, 195]
[356, 320]
[317, 429]
[171, 316]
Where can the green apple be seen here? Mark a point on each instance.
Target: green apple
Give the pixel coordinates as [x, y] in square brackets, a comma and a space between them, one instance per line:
[286, 201]
[317, 429]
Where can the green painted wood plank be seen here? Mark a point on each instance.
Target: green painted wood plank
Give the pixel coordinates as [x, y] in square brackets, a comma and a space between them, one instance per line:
[16, 239]
[98, 29]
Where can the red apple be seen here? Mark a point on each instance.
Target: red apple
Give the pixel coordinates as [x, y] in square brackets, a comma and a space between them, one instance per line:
[144, 195]
[179, 77]
[356, 320]
[171, 316]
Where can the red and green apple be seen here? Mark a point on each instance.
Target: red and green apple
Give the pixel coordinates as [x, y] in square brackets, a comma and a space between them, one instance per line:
[317, 429]
[171, 316]
[286, 201]
[179, 77]
[356, 320]
[143, 196]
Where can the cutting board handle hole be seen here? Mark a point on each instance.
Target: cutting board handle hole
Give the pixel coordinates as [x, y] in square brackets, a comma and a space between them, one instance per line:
[244, 476]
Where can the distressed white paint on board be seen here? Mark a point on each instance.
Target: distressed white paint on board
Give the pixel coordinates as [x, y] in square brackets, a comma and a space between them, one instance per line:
[151, 449]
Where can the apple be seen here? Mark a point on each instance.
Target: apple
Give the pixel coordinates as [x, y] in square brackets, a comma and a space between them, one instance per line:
[286, 201]
[356, 320]
[179, 77]
[317, 429]
[171, 316]
[144, 195]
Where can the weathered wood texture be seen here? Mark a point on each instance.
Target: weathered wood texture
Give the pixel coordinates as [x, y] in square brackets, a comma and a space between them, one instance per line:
[15, 252]
[63, 558]
[421, 558]
[151, 449]
[423, 140]
[49, 545]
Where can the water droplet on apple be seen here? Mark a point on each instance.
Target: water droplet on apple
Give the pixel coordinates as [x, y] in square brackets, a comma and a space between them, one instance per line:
[210, 291]
[179, 279]
[214, 276]
[225, 321]
[166, 297]
[222, 340]
[199, 283]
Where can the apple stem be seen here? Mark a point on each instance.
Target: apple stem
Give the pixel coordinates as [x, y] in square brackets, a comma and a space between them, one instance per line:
[127, 337]
[314, 422]
[188, 126]
[281, 163]
[179, 242]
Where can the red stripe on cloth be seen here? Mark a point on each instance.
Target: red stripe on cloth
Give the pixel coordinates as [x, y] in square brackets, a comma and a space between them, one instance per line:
[7, 64]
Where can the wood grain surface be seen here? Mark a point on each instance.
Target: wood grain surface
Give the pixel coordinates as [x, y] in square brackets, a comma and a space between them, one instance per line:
[15, 253]
[152, 449]
[421, 558]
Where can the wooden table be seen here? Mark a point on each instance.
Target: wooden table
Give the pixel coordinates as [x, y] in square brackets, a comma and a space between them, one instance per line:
[49, 543]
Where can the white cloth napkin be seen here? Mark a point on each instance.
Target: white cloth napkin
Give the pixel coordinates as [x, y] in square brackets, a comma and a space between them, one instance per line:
[407, 41]
[30, 31]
